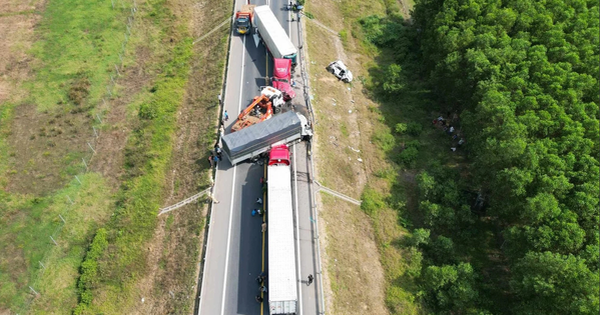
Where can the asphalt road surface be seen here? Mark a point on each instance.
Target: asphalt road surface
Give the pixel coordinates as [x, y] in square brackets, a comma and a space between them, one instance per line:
[234, 254]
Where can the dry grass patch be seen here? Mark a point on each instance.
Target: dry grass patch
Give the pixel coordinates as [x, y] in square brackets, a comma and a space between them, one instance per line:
[42, 144]
[350, 126]
[354, 270]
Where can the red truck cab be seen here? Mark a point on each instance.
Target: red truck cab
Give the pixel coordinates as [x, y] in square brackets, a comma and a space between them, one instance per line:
[280, 154]
[282, 78]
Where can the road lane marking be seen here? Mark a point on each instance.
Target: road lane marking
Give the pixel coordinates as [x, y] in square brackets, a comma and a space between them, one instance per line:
[232, 191]
[263, 236]
[298, 272]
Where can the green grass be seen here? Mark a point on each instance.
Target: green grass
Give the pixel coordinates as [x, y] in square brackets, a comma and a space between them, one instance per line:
[28, 222]
[148, 155]
[77, 39]
[6, 114]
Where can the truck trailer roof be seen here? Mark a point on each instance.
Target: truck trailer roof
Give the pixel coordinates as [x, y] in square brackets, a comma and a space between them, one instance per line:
[258, 138]
[283, 292]
[267, 22]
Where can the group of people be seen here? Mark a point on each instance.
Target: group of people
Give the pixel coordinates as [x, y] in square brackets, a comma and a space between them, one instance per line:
[258, 210]
[215, 156]
[449, 129]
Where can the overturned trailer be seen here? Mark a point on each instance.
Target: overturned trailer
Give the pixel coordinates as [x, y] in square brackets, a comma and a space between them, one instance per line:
[257, 139]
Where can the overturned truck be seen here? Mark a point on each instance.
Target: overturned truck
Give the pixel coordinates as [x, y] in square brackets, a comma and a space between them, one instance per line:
[257, 139]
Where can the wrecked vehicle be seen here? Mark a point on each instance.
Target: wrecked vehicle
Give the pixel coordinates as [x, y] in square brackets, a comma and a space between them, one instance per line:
[338, 68]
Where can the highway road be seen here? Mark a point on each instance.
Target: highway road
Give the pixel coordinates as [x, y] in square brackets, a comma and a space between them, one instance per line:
[234, 253]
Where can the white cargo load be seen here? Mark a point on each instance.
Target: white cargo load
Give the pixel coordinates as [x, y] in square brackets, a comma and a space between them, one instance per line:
[273, 35]
[283, 292]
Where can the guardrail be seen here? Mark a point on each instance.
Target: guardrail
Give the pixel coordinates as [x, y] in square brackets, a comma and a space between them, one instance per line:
[314, 212]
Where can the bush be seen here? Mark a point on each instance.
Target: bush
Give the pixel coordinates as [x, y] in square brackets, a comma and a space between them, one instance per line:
[147, 111]
[414, 129]
[385, 140]
[371, 201]
[409, 156]
[401, 128]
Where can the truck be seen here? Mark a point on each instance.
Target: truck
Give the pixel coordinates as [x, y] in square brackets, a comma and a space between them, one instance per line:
[273, 35]
[253, 141]
[260, 109]
[243, 19]
[283, 290]
[282, 78]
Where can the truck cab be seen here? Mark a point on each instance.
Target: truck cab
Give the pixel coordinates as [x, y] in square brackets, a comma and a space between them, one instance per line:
[243, 19]
[282, 78]
[279, 155]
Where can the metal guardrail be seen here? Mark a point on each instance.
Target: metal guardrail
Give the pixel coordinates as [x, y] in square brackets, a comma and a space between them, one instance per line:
[184, 202]
[314, 212]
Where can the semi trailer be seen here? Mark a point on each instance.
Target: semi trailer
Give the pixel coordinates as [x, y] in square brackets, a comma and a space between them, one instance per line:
[273, 35]
[283, 280]
[252, 141]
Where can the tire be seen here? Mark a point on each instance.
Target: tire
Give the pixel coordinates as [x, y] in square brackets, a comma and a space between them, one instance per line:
[277, 110]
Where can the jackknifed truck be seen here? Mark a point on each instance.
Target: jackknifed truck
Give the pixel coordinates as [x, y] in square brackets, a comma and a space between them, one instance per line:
[283, 280]
[273, 35]
[252, 141]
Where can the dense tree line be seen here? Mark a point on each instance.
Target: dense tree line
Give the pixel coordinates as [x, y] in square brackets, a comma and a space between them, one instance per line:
[523, 77]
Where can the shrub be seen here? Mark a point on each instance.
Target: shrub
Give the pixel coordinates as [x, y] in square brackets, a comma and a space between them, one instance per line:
[409, 156]
[401, 128]
[147, 111]
[371, 201]
[385, 140]
[414, 129]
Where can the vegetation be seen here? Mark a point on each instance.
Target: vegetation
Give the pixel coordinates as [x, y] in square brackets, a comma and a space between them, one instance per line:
[508, 224]
[64, 73]
[79, 48]
[147, 156]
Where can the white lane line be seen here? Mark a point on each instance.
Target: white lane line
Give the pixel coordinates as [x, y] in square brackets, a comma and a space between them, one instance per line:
[298, 272]
[228, 249]
[208, 238]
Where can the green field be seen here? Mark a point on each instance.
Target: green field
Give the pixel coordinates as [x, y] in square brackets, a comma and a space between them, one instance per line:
[77, 46]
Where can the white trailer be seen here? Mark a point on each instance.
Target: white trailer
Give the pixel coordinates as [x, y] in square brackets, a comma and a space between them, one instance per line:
[283, 281]
[273, 35]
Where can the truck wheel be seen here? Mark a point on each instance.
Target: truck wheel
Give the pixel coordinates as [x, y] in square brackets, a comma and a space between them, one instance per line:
[277, 110]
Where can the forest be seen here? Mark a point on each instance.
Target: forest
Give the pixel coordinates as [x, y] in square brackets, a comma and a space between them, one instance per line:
[514, 229]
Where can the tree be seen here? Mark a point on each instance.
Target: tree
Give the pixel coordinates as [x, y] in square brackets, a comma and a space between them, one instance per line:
[450, 287]
[549, 283]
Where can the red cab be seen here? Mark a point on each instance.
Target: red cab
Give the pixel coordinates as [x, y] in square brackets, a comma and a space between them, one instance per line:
[282, 78]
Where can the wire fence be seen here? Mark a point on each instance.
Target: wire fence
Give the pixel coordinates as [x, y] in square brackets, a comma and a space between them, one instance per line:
[129, 9]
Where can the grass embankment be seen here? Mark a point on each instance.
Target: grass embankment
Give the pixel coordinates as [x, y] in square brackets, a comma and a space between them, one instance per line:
[106, 286]
[44, 125]
[368, 251]
[80, 43]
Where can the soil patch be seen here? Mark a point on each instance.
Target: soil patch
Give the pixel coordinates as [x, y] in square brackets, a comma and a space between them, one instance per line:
[46, 148]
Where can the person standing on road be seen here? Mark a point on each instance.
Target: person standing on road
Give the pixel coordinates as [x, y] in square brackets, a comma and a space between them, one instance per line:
[264, 227]
[310, 279]
[225, 115]
[258, 299]
[259, 200]
[211, 161]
